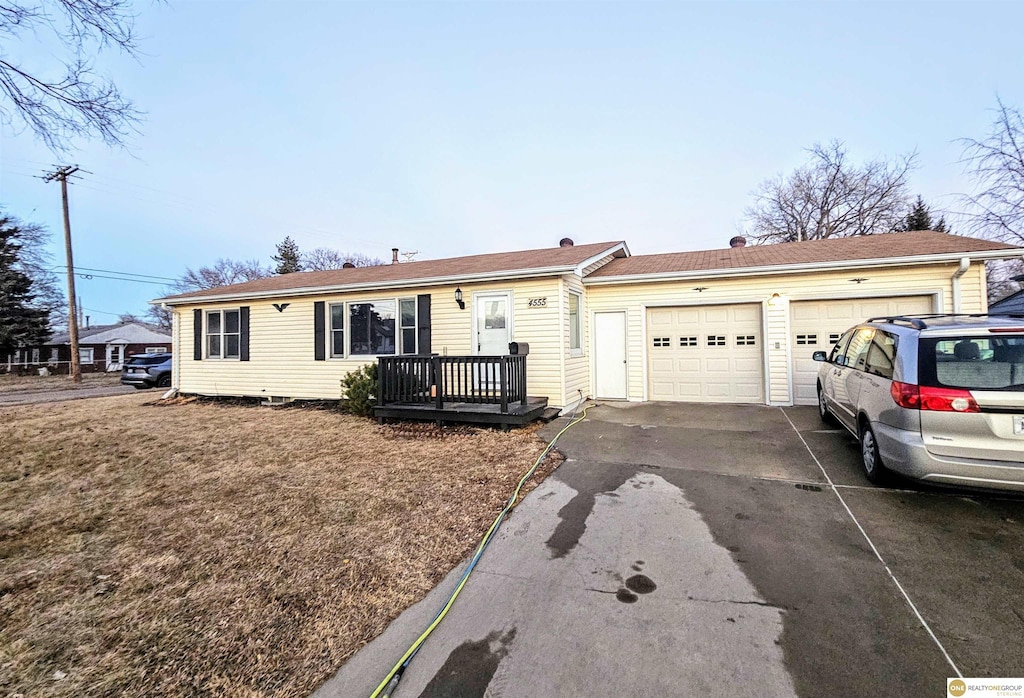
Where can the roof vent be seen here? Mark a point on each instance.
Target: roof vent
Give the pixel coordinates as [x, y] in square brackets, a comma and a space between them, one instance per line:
[565, 242]
[348, 265]
[738, 241]
[394, 255]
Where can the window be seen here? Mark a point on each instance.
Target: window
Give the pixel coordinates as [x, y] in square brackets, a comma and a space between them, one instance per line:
[716, 340]
[833, 337]
[54, 355]
[85, 355]
[662, 341]
[882, 355]
[839, 349]
[374, 328]
[407, 308]
[987, 362]
[338, 330]
[35, 355]
[222, 334]
[745, 340]
[155, 350]
[687, 341]
[807, 339]
[575, 324]
[857, 353]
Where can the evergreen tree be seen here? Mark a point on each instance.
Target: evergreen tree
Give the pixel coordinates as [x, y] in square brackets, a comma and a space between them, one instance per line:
[22, 320]
[920, 218]
[287, 257]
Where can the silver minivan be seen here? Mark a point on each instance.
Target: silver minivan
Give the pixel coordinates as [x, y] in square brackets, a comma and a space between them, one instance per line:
[938, 398]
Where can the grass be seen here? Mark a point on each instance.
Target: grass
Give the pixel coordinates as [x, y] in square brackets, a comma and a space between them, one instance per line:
[10, 383]
[204, 548]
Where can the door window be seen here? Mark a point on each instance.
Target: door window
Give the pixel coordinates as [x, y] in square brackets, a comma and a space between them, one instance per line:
[881, 357]
[857, 352]
[838, 355]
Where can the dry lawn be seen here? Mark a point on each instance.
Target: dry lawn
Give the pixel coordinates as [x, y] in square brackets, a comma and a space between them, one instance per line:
[19, 384]
[215, 549]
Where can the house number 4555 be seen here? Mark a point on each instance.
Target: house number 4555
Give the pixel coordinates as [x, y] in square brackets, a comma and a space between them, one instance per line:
[537, 303]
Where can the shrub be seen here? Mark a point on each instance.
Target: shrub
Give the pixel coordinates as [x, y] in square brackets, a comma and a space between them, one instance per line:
[359, 390]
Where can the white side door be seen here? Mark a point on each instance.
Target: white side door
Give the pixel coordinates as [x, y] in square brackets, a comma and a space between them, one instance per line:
[115, 357]
[610, 367]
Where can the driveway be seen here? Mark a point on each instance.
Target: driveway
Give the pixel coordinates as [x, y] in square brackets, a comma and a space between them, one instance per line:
[33, 397]
[721, 551]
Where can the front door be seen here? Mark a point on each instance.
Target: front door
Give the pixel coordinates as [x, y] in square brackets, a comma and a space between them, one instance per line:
[115, 357]
[609, 342]
[493, 324]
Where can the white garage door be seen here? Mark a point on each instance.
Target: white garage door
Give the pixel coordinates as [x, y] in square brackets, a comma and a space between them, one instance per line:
[705, 354]
[817, 325]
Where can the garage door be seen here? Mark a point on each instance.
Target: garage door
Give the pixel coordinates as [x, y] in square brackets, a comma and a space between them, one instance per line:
[705, 354]
[817, 325]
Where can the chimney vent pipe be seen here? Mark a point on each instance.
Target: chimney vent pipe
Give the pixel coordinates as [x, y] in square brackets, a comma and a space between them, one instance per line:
[394, 255]
[738, 241]
[565, 242]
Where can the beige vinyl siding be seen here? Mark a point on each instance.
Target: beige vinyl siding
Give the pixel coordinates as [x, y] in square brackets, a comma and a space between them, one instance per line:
[282, 351]
[633, 297]
[577, 364]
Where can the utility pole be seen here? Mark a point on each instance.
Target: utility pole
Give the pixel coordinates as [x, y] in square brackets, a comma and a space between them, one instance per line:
[61, 174]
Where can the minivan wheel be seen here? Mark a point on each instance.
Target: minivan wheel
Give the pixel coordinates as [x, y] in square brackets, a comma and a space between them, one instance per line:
[164, 381]
[870, 459]
[823, 413]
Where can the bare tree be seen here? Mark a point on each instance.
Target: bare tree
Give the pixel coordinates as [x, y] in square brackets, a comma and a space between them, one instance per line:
[996, 165]
[832, 197]
[324, 258]
[78, 101]
[996, 209]
[222, 273]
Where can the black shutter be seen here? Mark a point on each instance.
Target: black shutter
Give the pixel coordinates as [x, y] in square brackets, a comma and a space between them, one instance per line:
[197, 335]
[243, 333]
[319, 331]
[423, 322]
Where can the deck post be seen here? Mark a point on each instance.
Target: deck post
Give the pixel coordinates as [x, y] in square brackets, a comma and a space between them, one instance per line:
[522, 384]
[503, 377]
[438, 381]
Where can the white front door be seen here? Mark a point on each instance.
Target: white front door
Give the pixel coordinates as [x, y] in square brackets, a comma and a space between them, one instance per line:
[493, 324]
[609, 342]
[115, 357]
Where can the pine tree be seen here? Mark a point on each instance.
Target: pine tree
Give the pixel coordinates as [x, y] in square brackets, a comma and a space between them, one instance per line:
[287, 257]
[22, 320]
[919, 218]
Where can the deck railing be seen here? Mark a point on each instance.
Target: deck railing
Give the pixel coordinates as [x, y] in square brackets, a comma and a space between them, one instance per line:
[492, 380]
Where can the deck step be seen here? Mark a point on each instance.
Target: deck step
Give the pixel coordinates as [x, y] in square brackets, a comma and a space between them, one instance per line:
[549, 414]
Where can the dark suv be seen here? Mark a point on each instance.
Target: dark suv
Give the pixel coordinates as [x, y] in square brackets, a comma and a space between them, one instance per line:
[939, 398]
[147, 371]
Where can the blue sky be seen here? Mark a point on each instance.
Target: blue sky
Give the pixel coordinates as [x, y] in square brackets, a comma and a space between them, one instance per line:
[461, 128]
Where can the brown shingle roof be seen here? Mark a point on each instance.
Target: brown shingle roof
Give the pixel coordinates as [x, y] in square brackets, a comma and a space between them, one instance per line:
[497, 263]
[923, 242]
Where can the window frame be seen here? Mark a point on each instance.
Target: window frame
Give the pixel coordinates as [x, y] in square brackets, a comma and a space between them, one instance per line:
[346, 329]
[223, 334]
[576, 350]
[91, 355]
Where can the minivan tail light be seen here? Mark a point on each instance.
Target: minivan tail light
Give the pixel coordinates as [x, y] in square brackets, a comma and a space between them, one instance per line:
[916, 397]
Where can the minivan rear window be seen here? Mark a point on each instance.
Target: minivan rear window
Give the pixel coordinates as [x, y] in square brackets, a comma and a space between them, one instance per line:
[987, 362]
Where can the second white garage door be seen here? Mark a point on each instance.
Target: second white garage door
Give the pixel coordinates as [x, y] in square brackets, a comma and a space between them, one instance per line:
[705, 354]
[817, 325]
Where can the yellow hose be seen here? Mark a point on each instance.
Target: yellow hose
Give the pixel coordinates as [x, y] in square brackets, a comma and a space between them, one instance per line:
[387, 682]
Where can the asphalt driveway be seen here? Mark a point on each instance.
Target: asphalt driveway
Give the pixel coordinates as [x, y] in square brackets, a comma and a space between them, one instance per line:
[701, 550]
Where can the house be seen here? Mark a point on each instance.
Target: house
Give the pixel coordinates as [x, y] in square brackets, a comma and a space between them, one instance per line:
[731, 325]
[100, 348]
[1013, 303]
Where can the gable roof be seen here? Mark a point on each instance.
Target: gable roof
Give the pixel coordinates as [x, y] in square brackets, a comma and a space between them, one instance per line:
[914, 247]
[1013, 303]
[129, 332]
[501, 265]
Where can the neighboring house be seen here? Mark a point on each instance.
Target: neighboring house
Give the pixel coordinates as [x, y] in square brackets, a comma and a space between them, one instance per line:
[1013, 303]
[100, 348]
[729, 325]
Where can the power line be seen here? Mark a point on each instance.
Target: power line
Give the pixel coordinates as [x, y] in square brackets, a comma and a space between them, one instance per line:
[114, 271]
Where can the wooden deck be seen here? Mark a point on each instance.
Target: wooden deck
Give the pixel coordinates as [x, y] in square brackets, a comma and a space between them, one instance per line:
[465, 412]
[456, 389]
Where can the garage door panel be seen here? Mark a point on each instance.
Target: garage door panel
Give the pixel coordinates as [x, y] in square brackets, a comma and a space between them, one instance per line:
[706, 354]
[817, 325]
